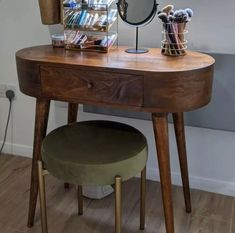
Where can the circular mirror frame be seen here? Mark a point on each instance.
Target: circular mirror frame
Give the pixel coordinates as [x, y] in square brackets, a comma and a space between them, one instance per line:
[142, 23]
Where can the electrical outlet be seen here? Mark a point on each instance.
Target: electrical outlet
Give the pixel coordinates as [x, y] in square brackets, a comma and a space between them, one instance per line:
[4, 88]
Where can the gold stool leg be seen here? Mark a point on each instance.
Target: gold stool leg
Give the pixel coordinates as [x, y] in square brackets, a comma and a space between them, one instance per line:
[142, 198]
[42, 196]
[118, 199]
[80, 200]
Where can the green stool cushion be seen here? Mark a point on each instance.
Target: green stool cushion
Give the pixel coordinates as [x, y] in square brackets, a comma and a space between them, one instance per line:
[94, 152]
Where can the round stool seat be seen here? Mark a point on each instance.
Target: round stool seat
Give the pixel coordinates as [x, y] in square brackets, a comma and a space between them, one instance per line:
[94, 152]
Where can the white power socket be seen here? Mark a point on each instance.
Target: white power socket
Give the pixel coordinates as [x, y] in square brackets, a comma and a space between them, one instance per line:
[4, 88]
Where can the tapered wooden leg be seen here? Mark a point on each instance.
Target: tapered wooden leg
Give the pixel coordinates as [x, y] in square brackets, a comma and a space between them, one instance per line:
[80, 200]
[72, 117]
[180, 140]
[142, 198]
[160, 125]
[72, 112]
[118, 200]
[41, 119]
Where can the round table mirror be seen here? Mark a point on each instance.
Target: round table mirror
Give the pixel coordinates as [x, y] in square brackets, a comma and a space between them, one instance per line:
[137, 13]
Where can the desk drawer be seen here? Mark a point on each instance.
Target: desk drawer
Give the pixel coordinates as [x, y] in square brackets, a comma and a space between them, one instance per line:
[92, 86]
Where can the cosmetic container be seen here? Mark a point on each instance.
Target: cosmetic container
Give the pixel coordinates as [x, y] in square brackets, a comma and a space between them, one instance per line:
[57, 40]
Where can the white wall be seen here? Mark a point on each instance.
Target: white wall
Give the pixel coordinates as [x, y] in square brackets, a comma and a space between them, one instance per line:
[211, 153]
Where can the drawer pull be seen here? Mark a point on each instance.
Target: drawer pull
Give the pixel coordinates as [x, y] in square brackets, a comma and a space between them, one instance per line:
[89, 85]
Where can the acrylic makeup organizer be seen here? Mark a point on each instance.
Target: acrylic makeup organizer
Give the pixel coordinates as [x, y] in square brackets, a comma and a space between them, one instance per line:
[90, 25]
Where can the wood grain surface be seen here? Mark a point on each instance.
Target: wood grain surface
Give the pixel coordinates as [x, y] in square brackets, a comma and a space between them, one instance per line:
[144, 82]
[102, 87]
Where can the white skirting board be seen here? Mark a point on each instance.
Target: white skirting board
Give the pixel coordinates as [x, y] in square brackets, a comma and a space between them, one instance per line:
[16, 149]
[196, 182]
[201, 183]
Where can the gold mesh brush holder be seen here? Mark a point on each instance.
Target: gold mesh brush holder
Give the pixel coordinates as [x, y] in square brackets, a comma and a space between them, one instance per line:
[173, 39]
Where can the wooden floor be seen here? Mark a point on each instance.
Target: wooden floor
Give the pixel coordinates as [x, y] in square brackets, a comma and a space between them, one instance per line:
[212, 213]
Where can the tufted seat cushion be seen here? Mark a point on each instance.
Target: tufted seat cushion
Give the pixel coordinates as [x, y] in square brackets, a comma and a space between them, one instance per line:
[94, 152]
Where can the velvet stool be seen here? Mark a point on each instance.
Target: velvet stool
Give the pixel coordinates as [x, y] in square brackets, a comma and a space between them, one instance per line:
[94, 153]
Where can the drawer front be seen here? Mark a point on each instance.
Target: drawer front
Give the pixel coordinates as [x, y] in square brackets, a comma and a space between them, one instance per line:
[92, 86]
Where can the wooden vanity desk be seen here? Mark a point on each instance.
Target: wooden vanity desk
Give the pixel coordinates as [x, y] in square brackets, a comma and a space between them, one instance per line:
[147, 82]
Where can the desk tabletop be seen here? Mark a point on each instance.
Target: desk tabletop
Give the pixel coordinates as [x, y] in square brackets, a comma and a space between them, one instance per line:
[143, 82]
[117, 58]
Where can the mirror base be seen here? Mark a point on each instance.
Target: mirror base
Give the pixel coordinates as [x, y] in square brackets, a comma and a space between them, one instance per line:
[136, 51]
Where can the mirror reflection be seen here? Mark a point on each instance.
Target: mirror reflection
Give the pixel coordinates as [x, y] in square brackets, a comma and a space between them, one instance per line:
[137, 12]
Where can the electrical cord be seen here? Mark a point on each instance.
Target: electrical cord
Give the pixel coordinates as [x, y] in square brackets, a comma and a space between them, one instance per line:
[10, 95]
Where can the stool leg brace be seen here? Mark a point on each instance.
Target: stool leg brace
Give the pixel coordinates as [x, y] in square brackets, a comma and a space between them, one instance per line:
[118, 189]
[42, 196]
[142, 198]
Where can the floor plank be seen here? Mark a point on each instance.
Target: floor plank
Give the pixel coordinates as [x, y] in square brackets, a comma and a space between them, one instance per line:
[212, 205]
[212, 213]
[233, 218]
[200, 224]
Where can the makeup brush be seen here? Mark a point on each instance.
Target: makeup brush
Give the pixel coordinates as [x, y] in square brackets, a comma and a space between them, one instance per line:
[170, 37]
[189, 12]
[163, 16]
[167, 9]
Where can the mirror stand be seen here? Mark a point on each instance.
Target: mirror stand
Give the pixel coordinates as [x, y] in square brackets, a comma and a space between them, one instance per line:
[136, 50]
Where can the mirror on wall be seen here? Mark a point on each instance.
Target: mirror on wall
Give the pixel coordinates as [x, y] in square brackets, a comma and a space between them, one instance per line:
[137, 13]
